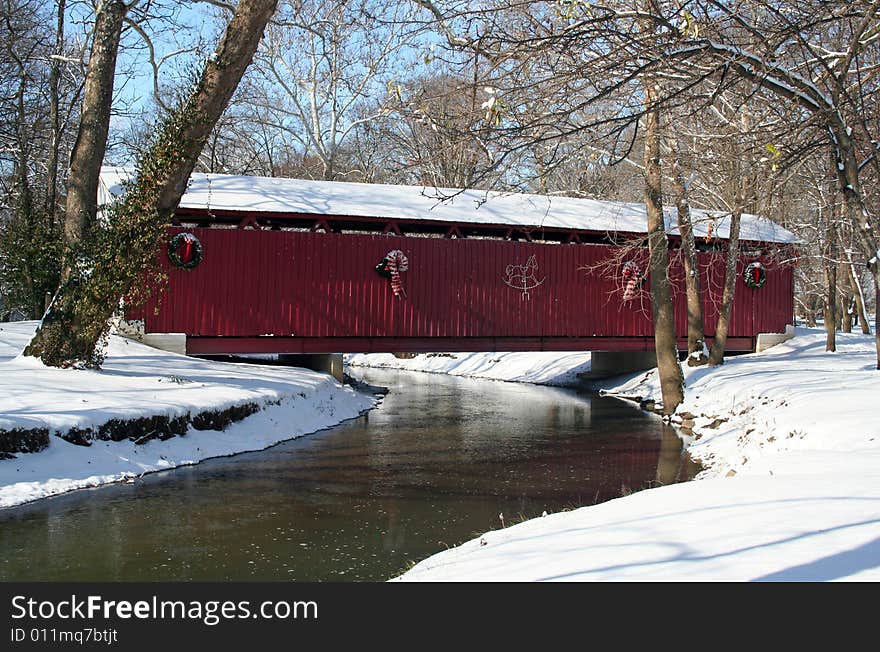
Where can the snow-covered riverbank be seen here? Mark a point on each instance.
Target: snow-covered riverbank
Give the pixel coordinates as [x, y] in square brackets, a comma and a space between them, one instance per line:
[790, 441]
[138, 381]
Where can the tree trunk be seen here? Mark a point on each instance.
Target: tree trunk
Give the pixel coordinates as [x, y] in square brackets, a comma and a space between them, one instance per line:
[830, 287]
[858, 295]
[811, 312]
[697, 352]
[665, 337]
[877, 317]
[91, 139]
[54, 118]
[24, 203]
[719, 342]
[77, 323]
[848, 301]
[847, 167]
[218, 82]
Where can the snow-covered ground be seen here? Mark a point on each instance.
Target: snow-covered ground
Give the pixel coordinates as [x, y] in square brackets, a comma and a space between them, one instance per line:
[138, 381]
[790, 440]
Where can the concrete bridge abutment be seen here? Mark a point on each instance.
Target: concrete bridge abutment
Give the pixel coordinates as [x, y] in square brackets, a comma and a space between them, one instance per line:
[328, 363]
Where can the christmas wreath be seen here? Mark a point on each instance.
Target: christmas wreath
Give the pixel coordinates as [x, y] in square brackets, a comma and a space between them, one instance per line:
[394, 262]
[755, 275]
[185, 251]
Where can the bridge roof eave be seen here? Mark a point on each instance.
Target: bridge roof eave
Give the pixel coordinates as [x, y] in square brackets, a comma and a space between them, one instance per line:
[285, 199]
[384, 225]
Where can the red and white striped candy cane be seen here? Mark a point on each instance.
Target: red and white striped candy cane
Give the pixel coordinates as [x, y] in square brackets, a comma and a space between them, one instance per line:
[397, 263]
[632, 276]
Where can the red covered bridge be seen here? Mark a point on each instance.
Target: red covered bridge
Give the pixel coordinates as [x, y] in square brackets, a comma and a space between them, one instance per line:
[290, 266]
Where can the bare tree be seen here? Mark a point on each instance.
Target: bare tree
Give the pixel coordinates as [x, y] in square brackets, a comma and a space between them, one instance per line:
[321, 61]
[665, 335]
[55, 121]
[831, 303]
[437, 139]
[91, 140]
[816, 56]
[697, 351]
[38, 88]
[858, 293]
[78, 320]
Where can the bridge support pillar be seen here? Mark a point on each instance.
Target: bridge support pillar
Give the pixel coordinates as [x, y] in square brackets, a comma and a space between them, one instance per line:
[328, 363]
[604, 364]
[766, 340]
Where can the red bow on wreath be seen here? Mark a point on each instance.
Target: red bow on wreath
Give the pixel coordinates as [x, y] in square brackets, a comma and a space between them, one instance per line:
[391, 266]
[755, 275]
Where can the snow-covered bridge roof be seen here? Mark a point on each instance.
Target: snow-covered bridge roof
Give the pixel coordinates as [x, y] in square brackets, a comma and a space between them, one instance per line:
[218, 192]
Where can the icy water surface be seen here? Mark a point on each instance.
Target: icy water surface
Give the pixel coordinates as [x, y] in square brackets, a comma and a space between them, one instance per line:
[441, 461]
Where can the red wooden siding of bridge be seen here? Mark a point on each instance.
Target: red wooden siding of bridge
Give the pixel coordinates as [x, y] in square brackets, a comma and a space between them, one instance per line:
[320, 292]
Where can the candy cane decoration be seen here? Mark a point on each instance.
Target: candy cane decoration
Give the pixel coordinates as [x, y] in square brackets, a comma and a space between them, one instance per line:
[397, 263]
[632, 278]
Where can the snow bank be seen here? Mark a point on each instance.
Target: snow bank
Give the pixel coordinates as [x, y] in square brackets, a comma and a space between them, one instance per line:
[139, 381]
[792, 397]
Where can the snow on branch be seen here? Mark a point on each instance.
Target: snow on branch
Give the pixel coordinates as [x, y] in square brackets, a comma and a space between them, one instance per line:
[772, 76]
